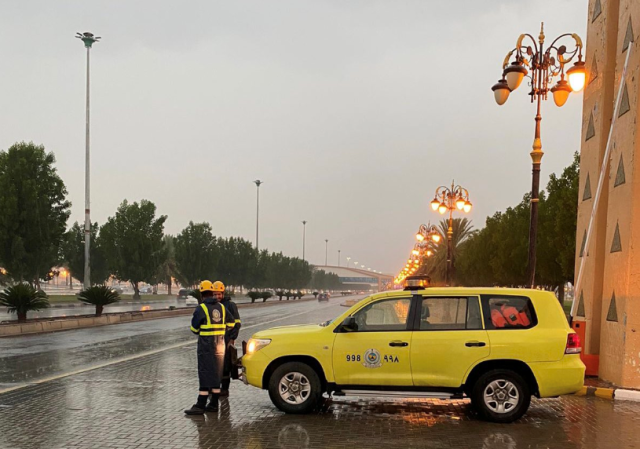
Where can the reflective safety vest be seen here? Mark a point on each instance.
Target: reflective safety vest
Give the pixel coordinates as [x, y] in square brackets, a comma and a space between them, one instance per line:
[210, 329]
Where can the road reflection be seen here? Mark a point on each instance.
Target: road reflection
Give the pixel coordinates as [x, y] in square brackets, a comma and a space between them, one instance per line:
[388, 424]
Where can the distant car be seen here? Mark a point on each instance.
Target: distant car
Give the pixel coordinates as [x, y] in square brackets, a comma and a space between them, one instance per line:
[146, 289]
[183, 293]
[323, 297]
[191, 301]
[117, 290]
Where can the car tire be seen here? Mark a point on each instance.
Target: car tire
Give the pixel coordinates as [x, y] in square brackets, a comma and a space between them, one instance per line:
[501, 396]
[295, 388]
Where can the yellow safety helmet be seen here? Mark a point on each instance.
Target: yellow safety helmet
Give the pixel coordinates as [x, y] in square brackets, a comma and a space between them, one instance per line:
[206, 286]
[218, 287]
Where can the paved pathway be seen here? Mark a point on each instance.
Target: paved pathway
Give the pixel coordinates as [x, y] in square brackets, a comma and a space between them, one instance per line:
[138, 403]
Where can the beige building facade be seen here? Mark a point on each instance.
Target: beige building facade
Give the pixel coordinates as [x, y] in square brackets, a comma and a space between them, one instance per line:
[608, 295]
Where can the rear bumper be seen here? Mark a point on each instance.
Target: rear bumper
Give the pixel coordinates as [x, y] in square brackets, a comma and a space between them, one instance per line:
[565, 376]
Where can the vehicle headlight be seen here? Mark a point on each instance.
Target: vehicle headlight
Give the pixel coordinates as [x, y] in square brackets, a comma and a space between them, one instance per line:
[256, 344]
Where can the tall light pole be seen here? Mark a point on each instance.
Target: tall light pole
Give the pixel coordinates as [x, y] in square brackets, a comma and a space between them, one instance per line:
[545, 64]
[338, 257]
[450, 199]
[304, 237]
[258, 183]
[326, 252]
[89, 39]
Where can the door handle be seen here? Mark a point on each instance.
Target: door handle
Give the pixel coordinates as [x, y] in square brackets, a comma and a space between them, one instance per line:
[396, 343]
[470, 344]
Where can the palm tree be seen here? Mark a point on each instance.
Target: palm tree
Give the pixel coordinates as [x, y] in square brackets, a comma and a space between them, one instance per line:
[22, 298]
[436, 265]
[99, 296]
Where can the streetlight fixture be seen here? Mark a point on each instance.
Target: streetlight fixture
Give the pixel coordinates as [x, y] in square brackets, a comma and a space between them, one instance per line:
[88, 39]
[348, 259]
[304, 237]
[450, 199]
[544, 65]
[428, 232]
[258, 183]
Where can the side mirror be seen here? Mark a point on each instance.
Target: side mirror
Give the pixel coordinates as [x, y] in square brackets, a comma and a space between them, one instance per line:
[349, 325]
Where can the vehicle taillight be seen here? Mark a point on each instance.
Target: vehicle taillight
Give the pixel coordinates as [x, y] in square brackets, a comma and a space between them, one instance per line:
[573, 344]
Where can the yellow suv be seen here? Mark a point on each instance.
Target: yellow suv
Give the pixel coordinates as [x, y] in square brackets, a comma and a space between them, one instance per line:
[496, 346]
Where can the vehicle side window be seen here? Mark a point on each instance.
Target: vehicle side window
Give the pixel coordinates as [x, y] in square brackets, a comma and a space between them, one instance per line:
[508, 312]
[385, 315]
[450, 314]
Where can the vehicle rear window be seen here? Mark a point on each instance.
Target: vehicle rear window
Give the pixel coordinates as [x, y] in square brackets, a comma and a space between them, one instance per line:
[508, 312]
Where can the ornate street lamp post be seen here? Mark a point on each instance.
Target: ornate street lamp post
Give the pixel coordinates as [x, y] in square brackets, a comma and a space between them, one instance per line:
[544, 65]
[450, 199]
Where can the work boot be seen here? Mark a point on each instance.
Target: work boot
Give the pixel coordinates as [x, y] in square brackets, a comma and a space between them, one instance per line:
[194, 410]
[198, 407]
[213, 403]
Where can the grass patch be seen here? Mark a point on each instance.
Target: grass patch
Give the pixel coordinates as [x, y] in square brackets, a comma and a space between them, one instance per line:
[61, 299]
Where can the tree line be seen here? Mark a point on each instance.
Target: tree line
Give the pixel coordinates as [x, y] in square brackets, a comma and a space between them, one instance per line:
[131, 245]
[497, 253]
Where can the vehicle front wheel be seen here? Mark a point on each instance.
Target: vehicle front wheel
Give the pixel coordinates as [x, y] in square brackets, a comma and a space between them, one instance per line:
[501, 396]
[295, 387]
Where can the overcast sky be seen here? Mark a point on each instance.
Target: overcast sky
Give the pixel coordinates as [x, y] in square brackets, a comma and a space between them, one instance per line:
[351, 112]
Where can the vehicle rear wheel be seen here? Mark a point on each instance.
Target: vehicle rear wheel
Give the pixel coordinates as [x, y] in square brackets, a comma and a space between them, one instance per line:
[295, 387]
[501, 396]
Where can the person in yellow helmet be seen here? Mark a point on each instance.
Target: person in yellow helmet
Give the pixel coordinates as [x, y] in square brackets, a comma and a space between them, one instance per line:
[210, 321]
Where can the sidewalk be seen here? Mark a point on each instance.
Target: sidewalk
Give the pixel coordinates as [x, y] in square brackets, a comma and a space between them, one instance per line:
[606, 390]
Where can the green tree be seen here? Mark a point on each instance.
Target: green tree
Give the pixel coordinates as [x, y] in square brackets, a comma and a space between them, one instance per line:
[236, 258]
[133, 245]
[34, 211]
[555, 264]
[72, 254]
[22, 298]
[196, 254]
[169, 267]
[436, 264]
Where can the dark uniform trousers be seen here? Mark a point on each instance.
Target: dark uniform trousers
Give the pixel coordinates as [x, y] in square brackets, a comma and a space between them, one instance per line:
[209, 322]
[232, 334]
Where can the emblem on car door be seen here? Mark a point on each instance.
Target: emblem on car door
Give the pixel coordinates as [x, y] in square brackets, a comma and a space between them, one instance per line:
[372, 359]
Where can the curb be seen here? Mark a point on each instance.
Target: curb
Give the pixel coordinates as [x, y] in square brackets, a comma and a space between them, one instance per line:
[610, 394]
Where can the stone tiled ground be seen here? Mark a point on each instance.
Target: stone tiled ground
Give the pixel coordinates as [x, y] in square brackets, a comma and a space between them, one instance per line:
[139, 403]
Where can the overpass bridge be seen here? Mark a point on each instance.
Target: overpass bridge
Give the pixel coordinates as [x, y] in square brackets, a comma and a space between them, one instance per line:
[356, 279]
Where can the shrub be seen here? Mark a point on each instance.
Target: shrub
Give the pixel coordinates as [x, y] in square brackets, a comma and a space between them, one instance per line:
[22, 298]
[299, 294]
[99, 296]
[280, 294]
[315, 295]
[288, 294]
[254, 296]
[265, 296]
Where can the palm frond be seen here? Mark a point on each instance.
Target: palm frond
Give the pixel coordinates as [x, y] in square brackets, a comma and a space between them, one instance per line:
[99, 295]
[22, 298]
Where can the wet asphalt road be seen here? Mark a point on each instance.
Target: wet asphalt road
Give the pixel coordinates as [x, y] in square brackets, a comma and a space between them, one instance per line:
[138, 401]
[29, 358]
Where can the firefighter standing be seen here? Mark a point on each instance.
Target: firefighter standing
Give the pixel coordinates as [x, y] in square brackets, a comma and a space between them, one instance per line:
[230, 340]
[209, 322]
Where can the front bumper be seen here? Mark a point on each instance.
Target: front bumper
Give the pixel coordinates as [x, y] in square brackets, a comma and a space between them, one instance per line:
[253, 367]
